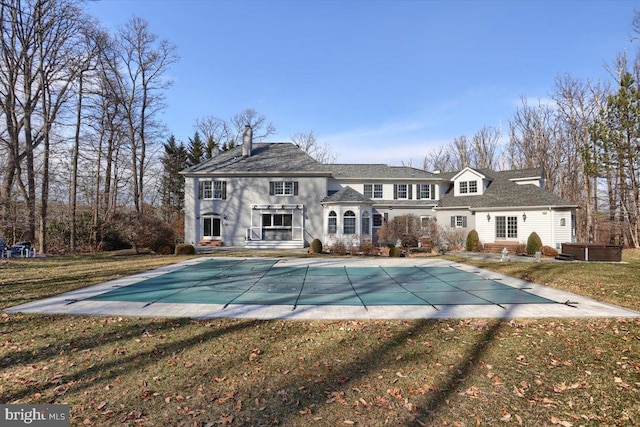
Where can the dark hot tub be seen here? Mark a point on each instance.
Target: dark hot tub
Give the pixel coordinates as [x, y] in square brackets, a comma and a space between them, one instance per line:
[593, 251]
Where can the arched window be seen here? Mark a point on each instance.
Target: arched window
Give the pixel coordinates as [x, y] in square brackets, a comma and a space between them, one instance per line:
[366, 223]
[349, 223]
[333, 223]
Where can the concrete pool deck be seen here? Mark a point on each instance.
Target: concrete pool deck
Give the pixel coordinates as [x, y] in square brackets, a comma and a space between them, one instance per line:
[567, 304]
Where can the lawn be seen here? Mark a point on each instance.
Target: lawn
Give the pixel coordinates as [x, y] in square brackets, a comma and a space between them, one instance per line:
[149, 372]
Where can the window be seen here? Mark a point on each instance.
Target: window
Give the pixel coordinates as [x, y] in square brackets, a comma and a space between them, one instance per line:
[377, 220]
[426, 191]
[459, 221]
[277, 226]
[377, 191]
[468, 187]
[373, 191]
[506, 227]
[283, 188]
[402, 191]
[366, 223]
[332, 224]
[212, 190]
[349, 226]
[368, 190]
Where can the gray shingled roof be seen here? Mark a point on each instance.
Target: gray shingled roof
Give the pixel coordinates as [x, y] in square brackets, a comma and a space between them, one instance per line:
[347, 194]
[376, 171]
[265, 157]
[503, 193]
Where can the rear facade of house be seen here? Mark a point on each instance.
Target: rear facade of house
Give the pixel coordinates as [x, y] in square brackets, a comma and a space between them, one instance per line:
[274, 195]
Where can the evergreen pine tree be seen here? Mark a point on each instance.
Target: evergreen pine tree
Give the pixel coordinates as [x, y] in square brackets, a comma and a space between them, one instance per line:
[196, 150]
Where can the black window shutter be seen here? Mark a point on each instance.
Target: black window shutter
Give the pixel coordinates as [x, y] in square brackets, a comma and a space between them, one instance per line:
[200, 189]
[224, 190]
[395, 191]
[410, 191]
[418, 191]
[295, 188]
[272, 188]
[453, 221]
[464, 221]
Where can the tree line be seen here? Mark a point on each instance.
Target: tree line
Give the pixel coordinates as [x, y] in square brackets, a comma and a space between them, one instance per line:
[86, 163]
[586, 136]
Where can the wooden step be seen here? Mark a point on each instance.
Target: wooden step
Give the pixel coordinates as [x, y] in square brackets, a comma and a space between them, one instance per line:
[565, 257]
[210, 243]
[497, 247]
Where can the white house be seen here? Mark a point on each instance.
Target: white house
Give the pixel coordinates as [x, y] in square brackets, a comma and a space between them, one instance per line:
[273, 195]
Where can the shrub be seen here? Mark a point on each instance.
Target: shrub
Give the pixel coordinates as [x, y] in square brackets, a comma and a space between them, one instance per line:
[368, 248]
[549, 251]
[316, 246]
[454, 237]
[534, 243]
[339, 248]
[185, 249]
[473, 242]
[395, 252]
[142, 230]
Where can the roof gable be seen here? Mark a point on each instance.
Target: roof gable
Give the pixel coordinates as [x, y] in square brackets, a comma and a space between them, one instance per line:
[347, 195]
[468, 170]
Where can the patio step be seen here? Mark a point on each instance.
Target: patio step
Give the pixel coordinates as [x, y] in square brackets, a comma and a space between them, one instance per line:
[565, 257]
[210, 243]
[497, 247]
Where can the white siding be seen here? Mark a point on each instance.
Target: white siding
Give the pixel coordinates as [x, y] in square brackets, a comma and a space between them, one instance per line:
[545, 222]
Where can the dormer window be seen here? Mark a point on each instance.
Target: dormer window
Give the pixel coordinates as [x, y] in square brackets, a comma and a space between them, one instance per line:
[468, 187]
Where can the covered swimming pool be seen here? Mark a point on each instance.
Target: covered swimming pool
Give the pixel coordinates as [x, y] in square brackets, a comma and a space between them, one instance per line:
[256, 281]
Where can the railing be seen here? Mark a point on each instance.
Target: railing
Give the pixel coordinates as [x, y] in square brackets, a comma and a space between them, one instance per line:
[258, 234]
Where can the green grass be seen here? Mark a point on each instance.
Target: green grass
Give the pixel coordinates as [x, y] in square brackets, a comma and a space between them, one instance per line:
[181, 372]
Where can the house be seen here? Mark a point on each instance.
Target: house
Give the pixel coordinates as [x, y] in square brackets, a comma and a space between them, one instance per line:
[274, 195]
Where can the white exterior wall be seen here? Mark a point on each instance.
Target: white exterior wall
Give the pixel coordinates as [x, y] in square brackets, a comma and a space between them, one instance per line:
[545, 222]
[242, 193]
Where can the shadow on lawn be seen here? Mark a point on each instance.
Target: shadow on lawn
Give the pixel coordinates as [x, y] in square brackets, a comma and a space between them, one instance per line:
[304, 389]
[109, 370]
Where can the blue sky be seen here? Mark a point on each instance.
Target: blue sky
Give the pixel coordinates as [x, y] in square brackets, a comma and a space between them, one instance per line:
[380, 81]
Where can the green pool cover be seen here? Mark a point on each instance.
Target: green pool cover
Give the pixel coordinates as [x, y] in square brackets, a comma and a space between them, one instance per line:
[220, 281]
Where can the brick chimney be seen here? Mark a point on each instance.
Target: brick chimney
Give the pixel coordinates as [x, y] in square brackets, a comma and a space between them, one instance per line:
[247, 141]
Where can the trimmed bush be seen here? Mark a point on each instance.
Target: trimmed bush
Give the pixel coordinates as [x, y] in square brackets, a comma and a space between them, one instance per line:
[316, 246]
[395, 252]
[473, 242]
[534, 243]
[549, 251]
[185, 249]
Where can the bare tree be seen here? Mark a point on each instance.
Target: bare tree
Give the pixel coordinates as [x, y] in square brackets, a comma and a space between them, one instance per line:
[262, 128]
[485, 144]
[39, 62]
[439, 159]
[463, 153]
[139, 70]
[215, 132]
[308, 143]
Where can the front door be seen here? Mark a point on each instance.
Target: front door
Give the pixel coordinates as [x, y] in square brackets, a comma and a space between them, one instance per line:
[211, 228]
